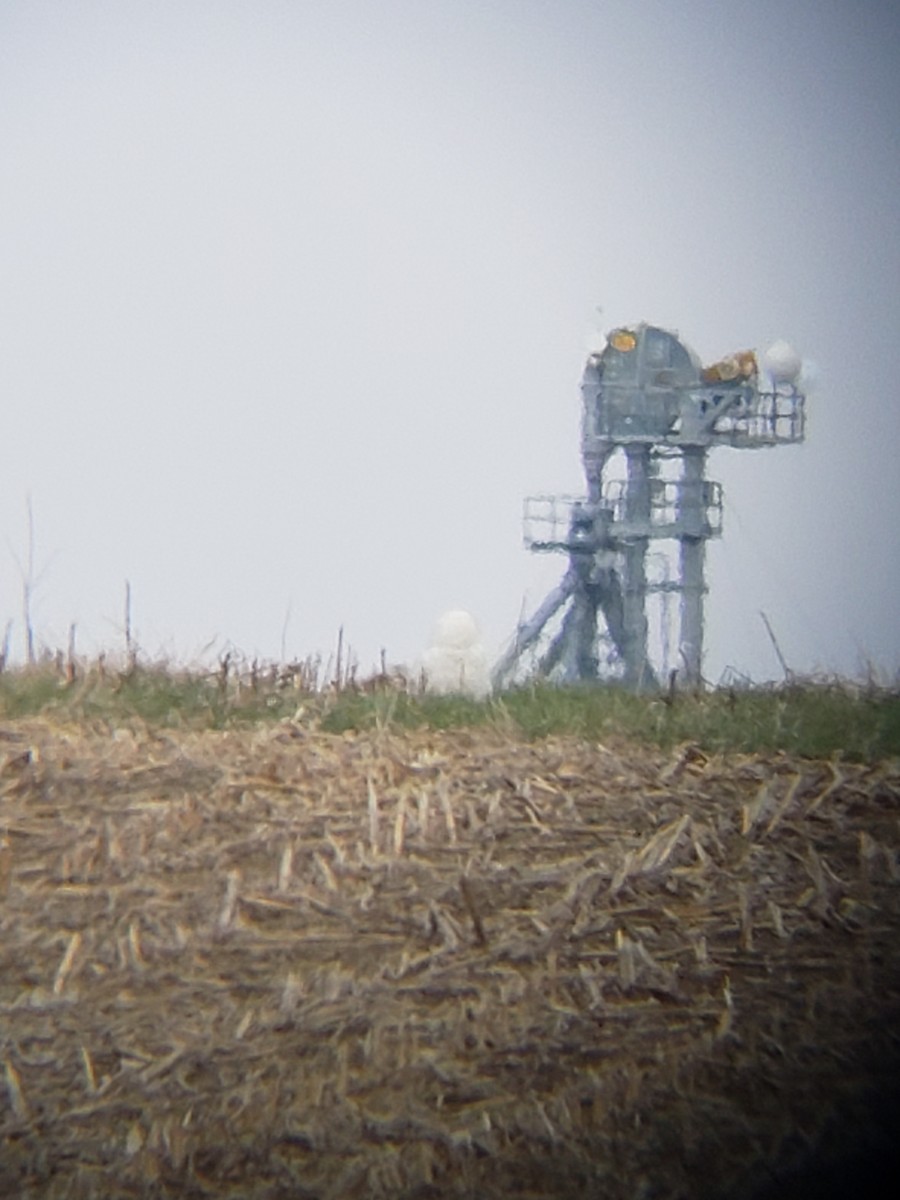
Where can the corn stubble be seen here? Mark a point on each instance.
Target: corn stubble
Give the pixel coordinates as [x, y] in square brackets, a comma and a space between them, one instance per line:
[274, 961]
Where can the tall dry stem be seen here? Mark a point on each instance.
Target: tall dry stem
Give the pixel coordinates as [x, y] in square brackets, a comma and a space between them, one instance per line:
[130, 648]
[28, 586]
[4, 647]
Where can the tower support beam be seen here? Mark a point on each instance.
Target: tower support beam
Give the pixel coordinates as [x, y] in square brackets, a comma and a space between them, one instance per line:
[692, 513]
[638, 672]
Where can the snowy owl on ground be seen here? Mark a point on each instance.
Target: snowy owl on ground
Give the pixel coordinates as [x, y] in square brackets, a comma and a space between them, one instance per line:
[456, 661]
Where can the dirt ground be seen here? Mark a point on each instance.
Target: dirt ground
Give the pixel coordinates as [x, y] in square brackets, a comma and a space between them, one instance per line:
[280, 963]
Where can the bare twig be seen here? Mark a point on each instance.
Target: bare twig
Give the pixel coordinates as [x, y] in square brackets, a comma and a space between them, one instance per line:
[130, 648]
[222, 673]
[788, 673]
[28, 586]
[338, 663]
[284, 631]
[70, 671]
[4, 647]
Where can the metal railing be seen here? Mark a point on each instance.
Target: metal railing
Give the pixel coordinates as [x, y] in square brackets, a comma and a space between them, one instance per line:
[671, 508]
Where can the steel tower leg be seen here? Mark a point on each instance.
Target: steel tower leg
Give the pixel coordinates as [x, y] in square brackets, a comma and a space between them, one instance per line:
[571, 648]
[693, 554]
[528, 634]
[638, 672]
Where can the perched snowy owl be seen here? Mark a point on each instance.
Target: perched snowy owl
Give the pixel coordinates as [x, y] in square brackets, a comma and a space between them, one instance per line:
[782, 363]
[456, 662]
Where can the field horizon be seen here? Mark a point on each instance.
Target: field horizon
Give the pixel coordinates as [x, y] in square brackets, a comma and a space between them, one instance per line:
[813, 717]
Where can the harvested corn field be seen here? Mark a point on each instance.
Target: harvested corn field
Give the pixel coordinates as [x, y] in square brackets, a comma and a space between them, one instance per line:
[283, 963]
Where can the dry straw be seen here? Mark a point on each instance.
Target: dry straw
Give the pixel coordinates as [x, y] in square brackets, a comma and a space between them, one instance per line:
[281, 963]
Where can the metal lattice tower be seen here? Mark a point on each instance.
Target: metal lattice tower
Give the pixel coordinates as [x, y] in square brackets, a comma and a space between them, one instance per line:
[647, 403]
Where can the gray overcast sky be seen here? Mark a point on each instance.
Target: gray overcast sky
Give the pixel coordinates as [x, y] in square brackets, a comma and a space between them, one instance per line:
[295, 299]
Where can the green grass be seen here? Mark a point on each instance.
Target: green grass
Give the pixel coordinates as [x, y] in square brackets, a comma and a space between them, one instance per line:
[813, 720]
[157, 695]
